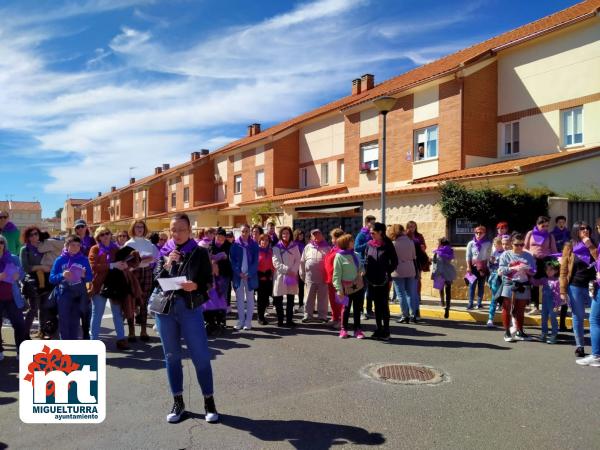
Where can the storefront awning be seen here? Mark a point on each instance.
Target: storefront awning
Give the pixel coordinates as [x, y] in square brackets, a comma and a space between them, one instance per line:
[332, 210]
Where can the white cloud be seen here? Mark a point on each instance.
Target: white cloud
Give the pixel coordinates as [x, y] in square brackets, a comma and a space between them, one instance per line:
[105, 118]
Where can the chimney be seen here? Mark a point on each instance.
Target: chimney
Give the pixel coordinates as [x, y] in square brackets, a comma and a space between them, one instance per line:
[165, 167]
[157, 170]
[204, 152]
[367, 81]
[356, 86]
[253, 129]
[195, 156]
[113, 188]
[131, 180]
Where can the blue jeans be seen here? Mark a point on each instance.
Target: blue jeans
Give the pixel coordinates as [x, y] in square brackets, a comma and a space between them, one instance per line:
[495, 286]
[405, 289]
[479, 284]
[189, 324]
[98, 306]
[548, 312]
[578, 297]
[71, 303]
[595, 325]
[9, 310]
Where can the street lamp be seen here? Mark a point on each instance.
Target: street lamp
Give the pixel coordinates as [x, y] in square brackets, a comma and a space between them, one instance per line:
[383, 105]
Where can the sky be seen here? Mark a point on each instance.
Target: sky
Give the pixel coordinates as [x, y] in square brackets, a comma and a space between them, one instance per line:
[93, 91]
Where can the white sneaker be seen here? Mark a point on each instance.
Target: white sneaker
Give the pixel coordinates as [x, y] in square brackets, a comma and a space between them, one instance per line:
[1, 356]
[592, 361]
[237, 327]
[513, 330]
[247, 327]
[490, 324]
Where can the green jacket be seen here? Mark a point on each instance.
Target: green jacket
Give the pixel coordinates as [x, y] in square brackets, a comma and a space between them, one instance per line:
[14, 240]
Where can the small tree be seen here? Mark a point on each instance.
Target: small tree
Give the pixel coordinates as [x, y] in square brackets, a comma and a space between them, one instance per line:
[268, 210]
[58, 213]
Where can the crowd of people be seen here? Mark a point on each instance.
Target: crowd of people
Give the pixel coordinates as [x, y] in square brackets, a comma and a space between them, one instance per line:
[66, 284]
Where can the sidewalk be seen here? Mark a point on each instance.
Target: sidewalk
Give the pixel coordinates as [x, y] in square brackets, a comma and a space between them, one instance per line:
[431, 309]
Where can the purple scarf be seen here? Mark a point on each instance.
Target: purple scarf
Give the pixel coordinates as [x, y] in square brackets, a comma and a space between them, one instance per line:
[349, 252]
[300, 244]
[263, 249]
[6, 259]
[319, 245]
[33, 249]
[102, 250]
[241, 242]
[170, 245]
[8, 227]
[283, 248]
[539, 236]
[445, 251]
[86, 243]
[366, 231]
[479, 242]
[582, 252]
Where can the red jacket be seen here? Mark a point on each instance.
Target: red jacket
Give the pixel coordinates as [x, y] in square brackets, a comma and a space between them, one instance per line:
[329, 264]
[265, 264]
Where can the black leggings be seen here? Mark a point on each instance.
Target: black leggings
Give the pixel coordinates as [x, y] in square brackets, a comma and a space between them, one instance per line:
[264, 291]
[355, 302]
[379, 295]
[448, 291]
[301, 293]
[289, 308]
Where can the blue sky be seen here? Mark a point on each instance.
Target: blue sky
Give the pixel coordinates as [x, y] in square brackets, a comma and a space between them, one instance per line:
[91, 88]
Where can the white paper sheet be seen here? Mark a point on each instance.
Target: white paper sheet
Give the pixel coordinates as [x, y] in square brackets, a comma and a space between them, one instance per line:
[171, 284]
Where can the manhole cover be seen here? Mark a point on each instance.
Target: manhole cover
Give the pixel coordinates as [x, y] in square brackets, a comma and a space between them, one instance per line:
[405, 373]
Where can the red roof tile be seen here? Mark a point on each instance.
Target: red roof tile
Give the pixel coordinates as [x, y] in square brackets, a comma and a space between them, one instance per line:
[513, 166]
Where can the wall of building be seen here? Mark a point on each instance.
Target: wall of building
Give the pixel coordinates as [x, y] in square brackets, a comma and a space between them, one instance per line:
[322, 140]
[285, 175]
[550, 69]
[579, 177]
[369, 122]
[426, 104]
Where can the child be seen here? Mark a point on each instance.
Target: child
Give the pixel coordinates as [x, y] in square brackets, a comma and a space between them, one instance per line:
[551, 301]
[500, 243]
[443, 272]
[70, 272]
[265, 277]
[561, 233]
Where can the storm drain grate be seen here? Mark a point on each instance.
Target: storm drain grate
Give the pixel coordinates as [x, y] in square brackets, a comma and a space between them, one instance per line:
[405, 373]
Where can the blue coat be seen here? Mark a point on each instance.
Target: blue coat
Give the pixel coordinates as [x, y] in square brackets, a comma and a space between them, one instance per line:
[16, 289]
[236, 256]
[60, 265]
[360, 245]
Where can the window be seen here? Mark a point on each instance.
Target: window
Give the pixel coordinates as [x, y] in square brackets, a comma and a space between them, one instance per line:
[426, 143]
[186, 194]
[237, 184]
[572, 126]
[369, 155]
[340, 171]
[173, 200]
[260, 178]
[324, 173]
[303, 177]
[511, 138]
[144, 207]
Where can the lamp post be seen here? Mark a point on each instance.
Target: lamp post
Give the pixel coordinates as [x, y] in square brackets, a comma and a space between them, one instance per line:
[383, 105]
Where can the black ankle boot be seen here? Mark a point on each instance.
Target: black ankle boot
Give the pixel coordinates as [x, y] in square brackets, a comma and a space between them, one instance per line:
[211, 410]
[177, 410]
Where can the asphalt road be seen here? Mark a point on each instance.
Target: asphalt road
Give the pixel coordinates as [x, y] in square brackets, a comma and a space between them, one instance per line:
[305, 389]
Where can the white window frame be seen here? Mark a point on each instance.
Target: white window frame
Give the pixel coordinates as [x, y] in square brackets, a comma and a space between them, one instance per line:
[340, 171]
[237, 184]
[259, 180]
[508, 138]
[426, 133]
[371, 148]
[324, 174]
[567, 121]
[303, 177]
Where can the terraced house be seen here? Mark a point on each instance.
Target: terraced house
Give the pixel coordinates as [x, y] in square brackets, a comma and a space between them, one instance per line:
[521, 108]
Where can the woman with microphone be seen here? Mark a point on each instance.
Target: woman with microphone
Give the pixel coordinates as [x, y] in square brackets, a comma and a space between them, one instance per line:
[182, 316]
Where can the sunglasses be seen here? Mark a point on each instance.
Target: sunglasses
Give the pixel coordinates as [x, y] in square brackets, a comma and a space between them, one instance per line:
[78, 227]
[104, 234]
[519, 245]
[585, 229]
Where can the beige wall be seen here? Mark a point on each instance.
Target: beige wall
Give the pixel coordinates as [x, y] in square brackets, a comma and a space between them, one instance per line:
[425, 168]
[221, 167]
[260, 156]
[581, 177]
[209, 218]
[558, 67]
[369, 122]
[237, 162]
[591, 122]
[538, 134]
[323, 139]
[476, 161]
[426, 104]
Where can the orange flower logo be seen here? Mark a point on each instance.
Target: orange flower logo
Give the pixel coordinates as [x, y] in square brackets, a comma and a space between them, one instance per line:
[47, 361]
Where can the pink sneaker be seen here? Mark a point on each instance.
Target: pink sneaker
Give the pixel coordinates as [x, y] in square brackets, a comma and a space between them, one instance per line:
[358, 334]
[343, 334]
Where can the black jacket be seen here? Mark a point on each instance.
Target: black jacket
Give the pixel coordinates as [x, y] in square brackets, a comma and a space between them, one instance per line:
[223, 264]
[380, 262]
[196, 267]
